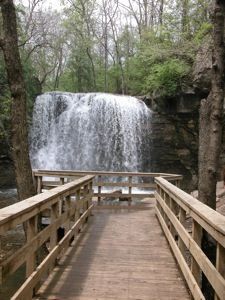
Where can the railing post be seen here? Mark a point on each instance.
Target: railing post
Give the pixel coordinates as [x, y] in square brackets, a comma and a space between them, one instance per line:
[31, 231]
[39, 184]
[197, 237]
[61, 182]
[99, 189]
[77, 211]
[54, 216]
[90, 195]
[130, 190]
[86, 200]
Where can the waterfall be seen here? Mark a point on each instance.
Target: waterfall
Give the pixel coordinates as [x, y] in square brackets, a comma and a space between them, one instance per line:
[93, 131]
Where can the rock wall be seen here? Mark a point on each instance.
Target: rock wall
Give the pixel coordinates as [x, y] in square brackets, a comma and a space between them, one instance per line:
[174, 146]
[174, 138]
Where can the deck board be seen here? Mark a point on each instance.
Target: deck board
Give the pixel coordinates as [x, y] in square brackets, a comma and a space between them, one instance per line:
[122, 254]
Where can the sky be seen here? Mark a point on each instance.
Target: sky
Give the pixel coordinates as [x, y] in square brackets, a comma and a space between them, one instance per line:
[55, 4]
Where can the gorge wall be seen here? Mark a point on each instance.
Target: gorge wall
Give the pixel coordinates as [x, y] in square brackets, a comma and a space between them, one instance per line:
[174, 134]
[174, 137]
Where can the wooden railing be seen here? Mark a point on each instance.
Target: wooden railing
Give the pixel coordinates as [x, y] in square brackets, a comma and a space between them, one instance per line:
[173, 206]
[102, 180]
[67, 207]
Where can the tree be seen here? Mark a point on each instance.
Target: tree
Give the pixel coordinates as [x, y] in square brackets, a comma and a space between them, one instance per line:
[210, 131]
[19, 134]
[211, 114]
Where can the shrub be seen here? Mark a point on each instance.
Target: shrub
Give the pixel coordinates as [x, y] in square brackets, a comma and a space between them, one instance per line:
[166, 78]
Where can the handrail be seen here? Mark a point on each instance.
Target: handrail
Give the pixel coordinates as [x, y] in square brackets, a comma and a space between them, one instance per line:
[99, 183]
[67, 207]
[173, 205]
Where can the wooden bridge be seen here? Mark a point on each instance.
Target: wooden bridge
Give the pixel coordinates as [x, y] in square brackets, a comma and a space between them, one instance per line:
[79, 246]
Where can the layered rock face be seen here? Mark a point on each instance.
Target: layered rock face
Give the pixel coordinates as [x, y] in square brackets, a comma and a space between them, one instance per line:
[174, 137]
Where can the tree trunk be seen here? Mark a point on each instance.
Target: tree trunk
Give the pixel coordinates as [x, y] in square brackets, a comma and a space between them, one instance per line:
[184, 17]
[210, 133]
[19, 132]
[161, 9]
[211, 115]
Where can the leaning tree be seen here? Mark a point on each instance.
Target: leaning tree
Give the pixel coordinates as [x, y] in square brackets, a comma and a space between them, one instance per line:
[19, 131]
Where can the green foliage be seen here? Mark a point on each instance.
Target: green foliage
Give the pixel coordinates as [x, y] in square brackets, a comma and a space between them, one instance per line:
[202, 32]
[166, 78]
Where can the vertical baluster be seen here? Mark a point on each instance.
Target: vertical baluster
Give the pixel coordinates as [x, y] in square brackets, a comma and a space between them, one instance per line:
[197, 236]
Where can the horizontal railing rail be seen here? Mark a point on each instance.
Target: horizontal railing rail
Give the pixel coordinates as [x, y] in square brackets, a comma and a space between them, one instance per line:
[104, 179]
[67, 208]
[172, 208]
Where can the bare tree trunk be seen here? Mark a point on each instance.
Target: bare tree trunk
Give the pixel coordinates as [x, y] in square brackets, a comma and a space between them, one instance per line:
[210, 133]
[161, 9]
[20, 149]
[184, 17]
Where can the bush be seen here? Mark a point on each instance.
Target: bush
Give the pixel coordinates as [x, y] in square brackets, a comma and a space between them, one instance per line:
[166, 78]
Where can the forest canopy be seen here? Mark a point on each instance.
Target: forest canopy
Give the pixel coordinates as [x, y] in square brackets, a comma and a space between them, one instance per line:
[117, 46]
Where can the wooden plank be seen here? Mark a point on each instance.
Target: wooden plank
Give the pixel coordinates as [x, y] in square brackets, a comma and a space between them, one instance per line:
[118, 195]
[126, 184]
[65, 173]
[135, 263]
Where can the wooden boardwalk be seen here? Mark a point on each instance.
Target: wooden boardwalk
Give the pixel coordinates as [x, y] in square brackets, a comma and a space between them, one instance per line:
[122, 254]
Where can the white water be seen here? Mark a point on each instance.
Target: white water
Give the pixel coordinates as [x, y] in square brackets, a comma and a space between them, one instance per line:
[89, 132]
